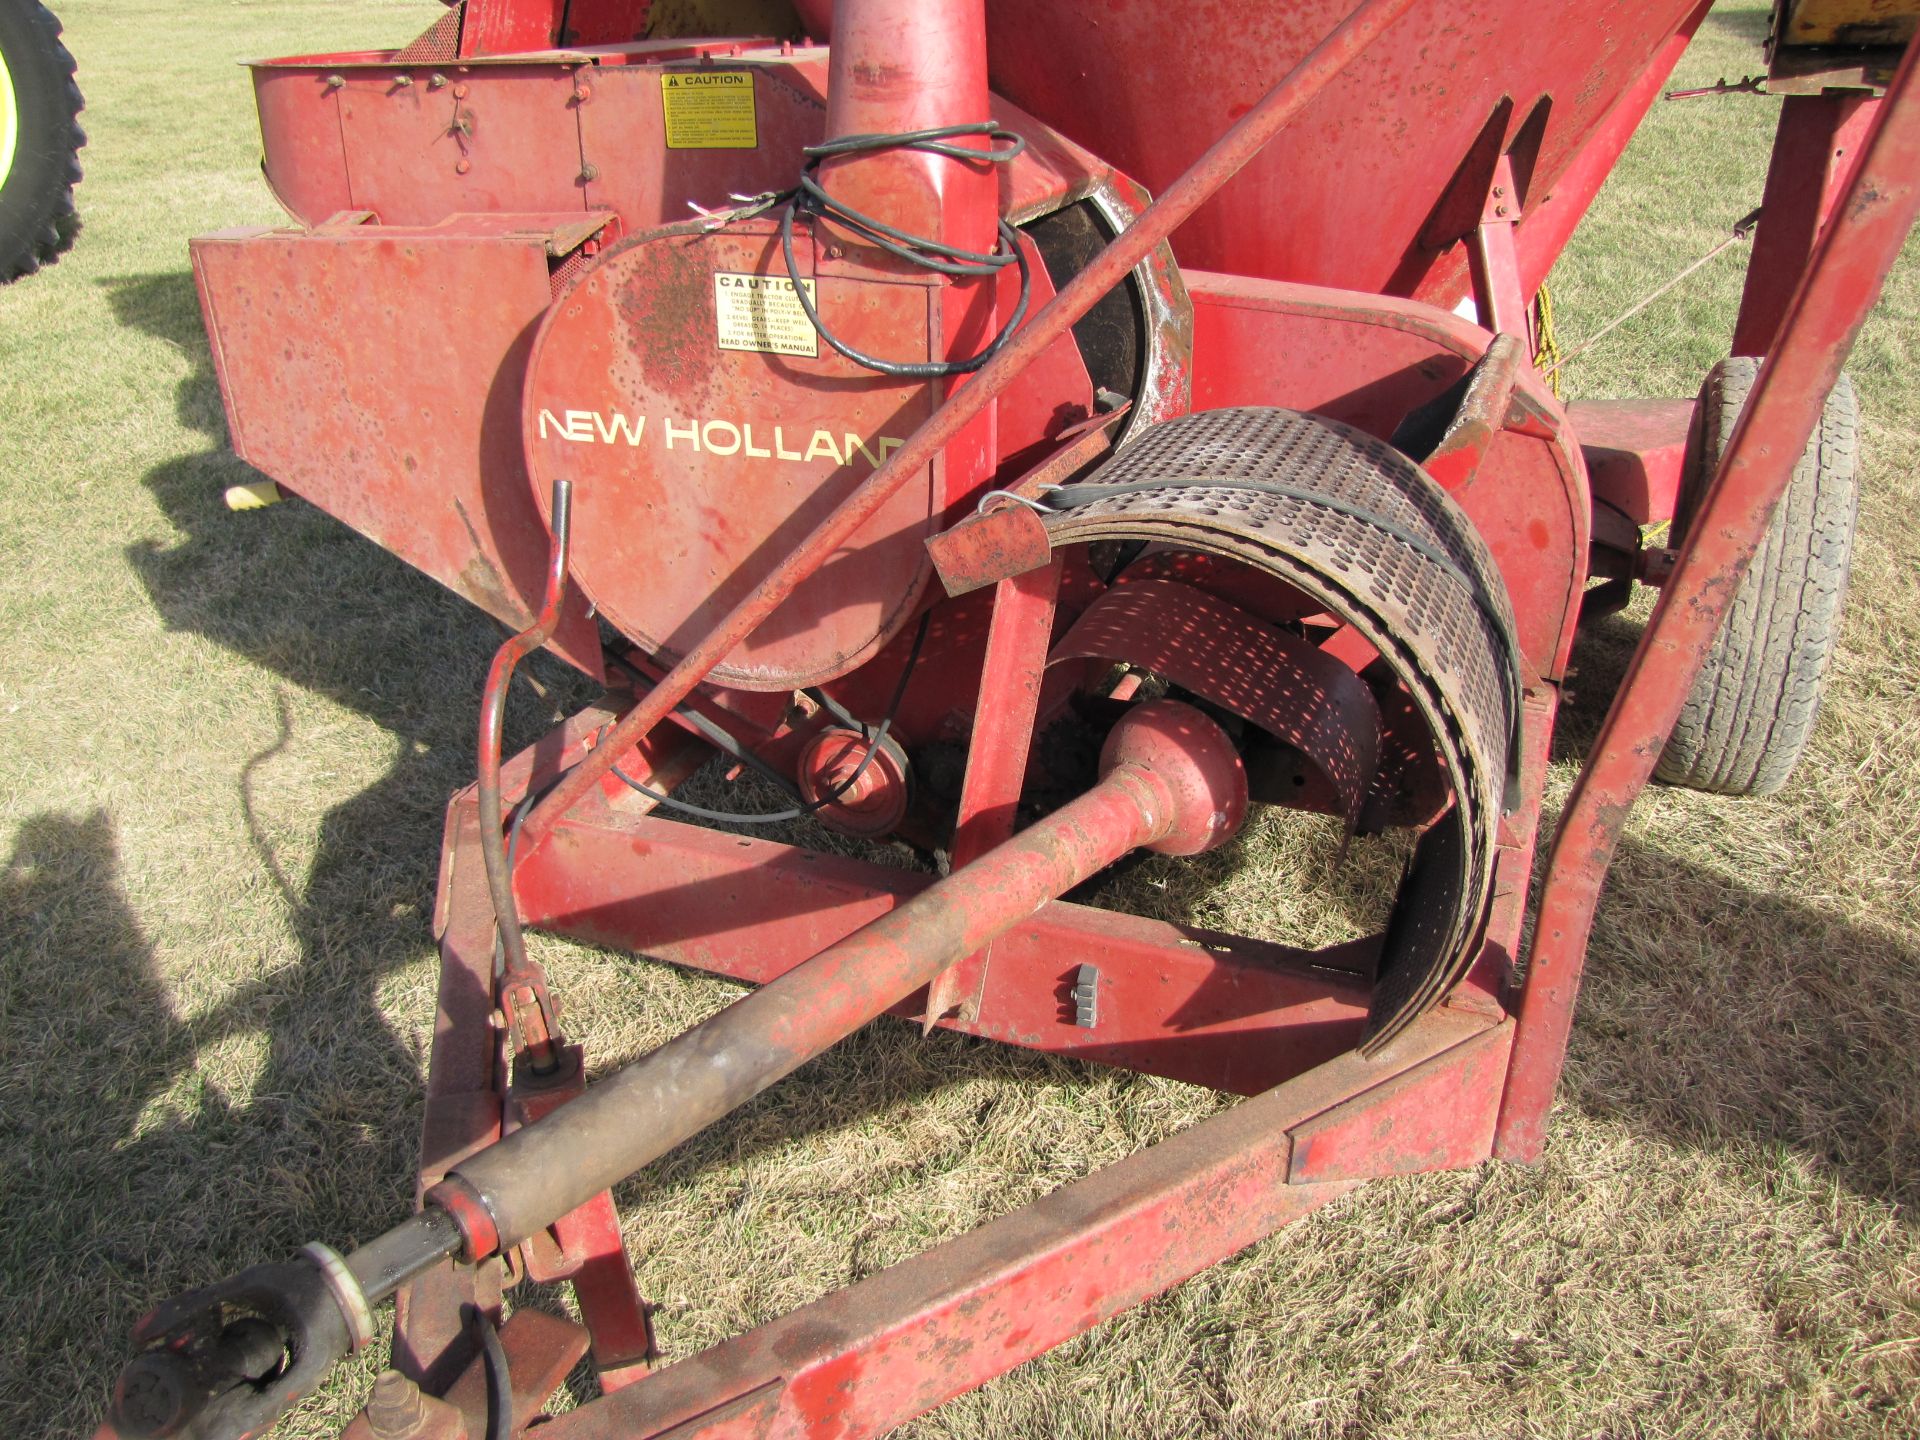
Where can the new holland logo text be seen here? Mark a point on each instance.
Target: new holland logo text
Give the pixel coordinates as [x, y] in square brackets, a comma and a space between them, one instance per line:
[718, 437]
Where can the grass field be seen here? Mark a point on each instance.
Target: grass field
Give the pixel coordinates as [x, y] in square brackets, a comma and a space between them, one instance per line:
[225, 742]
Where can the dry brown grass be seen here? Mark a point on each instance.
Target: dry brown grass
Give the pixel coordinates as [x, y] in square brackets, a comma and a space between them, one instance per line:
[225, 741]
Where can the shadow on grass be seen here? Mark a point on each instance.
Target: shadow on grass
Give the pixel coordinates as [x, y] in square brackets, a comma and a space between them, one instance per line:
[1715, 1013]
[155, 1179]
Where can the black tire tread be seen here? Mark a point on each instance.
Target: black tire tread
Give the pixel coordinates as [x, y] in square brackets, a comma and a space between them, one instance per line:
[38, 221]
[1753, 707]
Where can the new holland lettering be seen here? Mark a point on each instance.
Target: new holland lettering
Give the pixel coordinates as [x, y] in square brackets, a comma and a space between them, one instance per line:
[718, 437]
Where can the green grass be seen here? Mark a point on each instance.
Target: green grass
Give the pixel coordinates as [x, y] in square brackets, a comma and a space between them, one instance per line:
[225, 741]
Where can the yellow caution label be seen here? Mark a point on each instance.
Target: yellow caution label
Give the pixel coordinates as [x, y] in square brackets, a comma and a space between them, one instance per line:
[762, 312]
[709, 109]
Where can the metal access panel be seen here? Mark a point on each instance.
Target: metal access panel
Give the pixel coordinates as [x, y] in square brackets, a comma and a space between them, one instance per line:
[376, 371]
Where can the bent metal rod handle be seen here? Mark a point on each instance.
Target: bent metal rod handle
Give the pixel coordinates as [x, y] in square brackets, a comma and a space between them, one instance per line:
[517, 993]
[1222, 160]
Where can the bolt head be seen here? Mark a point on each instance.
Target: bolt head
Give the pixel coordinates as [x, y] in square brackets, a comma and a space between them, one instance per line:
[394, 1409]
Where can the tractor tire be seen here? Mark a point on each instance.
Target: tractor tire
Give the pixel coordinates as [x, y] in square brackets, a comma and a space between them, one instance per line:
[40, 139]
[1753, 705]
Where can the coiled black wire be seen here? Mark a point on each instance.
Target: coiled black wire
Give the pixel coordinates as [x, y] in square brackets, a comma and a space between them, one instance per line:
[811, 198]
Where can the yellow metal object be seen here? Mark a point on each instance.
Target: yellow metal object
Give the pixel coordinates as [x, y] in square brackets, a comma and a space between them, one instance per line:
[1847, 22]
[9, 121]
[255, 495]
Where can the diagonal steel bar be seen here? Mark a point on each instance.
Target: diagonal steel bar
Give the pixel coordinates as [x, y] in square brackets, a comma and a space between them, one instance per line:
[1222, 160]
[1843, 280]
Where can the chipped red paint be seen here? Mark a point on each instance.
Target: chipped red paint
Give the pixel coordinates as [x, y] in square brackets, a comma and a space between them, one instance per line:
[534, 196]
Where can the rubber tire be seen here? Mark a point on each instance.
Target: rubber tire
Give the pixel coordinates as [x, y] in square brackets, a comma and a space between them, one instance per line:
[1753, 706]
[37, 218]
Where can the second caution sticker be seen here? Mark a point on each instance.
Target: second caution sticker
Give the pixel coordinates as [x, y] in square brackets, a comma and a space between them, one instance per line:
[709, 109]
[762, 312]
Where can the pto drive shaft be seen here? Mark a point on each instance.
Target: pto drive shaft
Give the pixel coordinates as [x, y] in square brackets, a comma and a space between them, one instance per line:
[1171, 781]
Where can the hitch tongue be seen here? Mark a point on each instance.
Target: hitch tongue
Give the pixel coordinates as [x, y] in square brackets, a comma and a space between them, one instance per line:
[223, 1362]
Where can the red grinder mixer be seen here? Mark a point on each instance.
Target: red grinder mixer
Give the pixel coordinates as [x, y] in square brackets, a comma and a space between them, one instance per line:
[1026, 434]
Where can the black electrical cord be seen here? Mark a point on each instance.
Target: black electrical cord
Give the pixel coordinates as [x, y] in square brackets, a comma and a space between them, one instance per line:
[499, 1379]
[811, 198]
[805, 807]
[713, 733]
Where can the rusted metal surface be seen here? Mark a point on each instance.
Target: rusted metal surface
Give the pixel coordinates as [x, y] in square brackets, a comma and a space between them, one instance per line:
[898, 68]
[1849, 265]
[1635, 451]
[1341, 512]
[1173, 781]
[467, 1065]
[1400, 122]
[989, 548]
[1008, 538]
[585, 1247]
[397, 1408]
[1499, 296]
[732, 454]
[404, 430]
[1221, 1010]
[860, 782]
[1482, 415]
[1437, 1115]
[1550, 223]
[541, 1351]
[868, 1358]
[522, 985]
[1225, 157]
[492, 27]
[503, 179]
[1369, 361]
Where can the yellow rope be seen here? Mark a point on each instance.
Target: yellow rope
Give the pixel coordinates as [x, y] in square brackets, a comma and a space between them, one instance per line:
[1546, 354]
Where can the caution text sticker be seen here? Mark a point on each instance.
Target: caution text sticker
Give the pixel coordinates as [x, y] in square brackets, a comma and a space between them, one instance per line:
[709, 109]
[761, 312]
